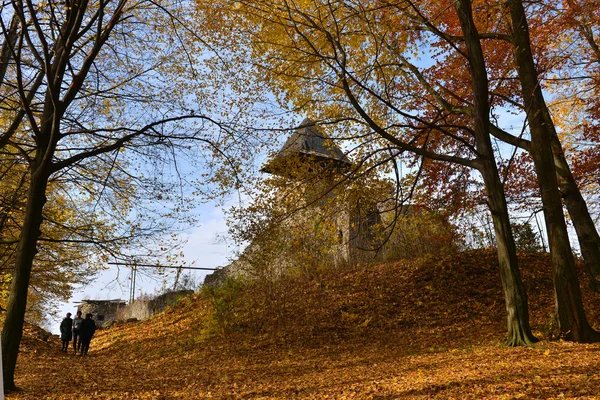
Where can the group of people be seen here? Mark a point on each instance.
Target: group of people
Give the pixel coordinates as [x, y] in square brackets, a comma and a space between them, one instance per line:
[80, 330]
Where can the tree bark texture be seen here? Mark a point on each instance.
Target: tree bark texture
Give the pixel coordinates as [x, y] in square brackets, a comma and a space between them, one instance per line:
[515, 295]
[12, 330]
[587, 234]
[569, 304]
[519, 330]
[57, 58]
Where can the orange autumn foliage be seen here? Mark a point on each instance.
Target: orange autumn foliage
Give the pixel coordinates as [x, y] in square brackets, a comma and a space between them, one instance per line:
[406, 330]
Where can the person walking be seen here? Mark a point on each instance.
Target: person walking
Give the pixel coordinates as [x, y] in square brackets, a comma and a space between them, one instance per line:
[77, 331]
[88, 328]
[66, 332]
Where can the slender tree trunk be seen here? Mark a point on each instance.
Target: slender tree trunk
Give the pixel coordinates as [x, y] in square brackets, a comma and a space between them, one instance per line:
[569, 304]
[519, 330]
[587, 235]
[57, 57]
[515, 296]
[12, 331]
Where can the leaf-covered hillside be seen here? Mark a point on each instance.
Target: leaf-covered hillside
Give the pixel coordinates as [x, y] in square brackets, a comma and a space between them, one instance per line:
[427, 329]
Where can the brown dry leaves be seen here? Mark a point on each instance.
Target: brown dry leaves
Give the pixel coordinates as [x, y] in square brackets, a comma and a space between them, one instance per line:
[430, 351]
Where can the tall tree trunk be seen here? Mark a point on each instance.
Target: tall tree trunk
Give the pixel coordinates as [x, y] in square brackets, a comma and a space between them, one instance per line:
[587, 235]
[519, 330]
[515, 296]
[569, 304]
[12, 330]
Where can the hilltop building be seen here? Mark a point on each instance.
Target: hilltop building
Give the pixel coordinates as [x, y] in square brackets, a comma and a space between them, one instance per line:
[309, 146]
[311, 158]
[310, 154]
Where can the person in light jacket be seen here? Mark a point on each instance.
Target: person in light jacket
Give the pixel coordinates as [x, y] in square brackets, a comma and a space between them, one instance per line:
[76, 331]
[88, 328]
[66, 332]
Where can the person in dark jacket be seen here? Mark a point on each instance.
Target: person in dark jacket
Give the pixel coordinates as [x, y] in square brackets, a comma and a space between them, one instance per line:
[66, 327]
[88, 328]
[76, 331]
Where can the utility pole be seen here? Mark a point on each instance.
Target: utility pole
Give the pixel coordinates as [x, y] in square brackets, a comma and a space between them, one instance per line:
[132, 284]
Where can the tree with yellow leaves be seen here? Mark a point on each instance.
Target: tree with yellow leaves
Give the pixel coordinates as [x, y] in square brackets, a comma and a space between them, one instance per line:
[426, 78]
[354, 62]
[99, 99]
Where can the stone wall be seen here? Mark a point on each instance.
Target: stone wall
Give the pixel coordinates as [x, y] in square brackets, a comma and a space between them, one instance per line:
[136, 310]
[160, 303]
[218, 277]
[349, 242]
[144, 309]
[104, 312]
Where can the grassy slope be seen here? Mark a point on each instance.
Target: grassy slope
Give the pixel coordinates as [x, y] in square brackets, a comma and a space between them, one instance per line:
[405, 330]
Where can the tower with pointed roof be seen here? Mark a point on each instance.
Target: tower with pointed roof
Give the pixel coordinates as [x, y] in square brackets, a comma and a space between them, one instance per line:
[311, 159]
[308, 155]
[310, 148]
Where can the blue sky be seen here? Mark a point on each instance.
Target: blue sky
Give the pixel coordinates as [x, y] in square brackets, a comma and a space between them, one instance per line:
[203, 249]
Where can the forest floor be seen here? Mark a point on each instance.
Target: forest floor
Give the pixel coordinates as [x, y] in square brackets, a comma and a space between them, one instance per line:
[428, 329]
